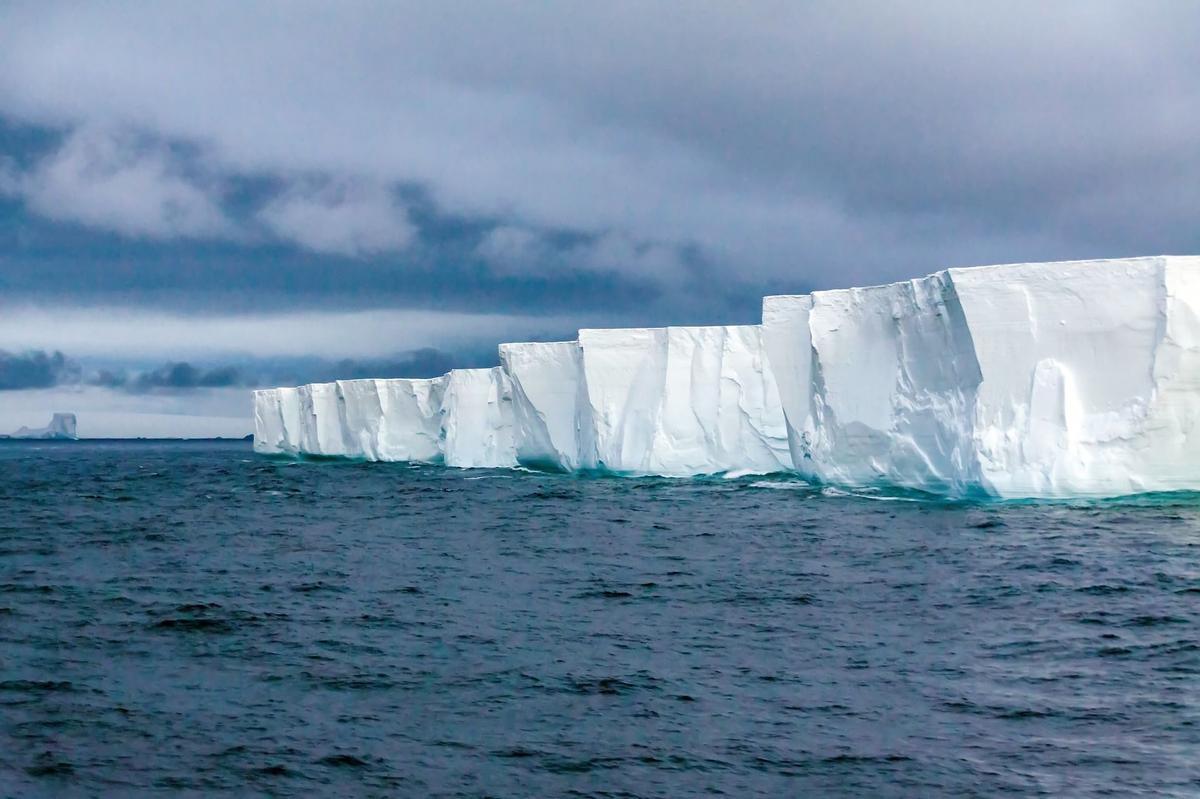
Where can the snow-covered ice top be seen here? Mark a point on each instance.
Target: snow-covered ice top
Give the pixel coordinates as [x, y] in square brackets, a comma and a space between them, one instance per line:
[1027, 380]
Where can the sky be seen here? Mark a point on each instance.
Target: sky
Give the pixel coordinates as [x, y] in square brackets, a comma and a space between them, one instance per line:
[196, 199]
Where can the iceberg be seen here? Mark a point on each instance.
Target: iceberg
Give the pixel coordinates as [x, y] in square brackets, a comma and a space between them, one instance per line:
[1029, 380]
[876, 384]
[671, 401]
[320, 414]
[1077, 378]
[360, 416]
[666, 401]
[62, 427]
[1091, 375]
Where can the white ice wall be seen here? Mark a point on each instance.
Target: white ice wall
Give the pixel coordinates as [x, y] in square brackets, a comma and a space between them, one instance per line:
[683, 400]
[269, 435]
[321, 416]
[278, 427]
[1075, 378]
[1089, 375]
[361, 417]
[1171, 462]
[1025, 380]
[894, 384]
[552, 424]
[477, 421]
[788, 345]
[391, 420]
[410, 424]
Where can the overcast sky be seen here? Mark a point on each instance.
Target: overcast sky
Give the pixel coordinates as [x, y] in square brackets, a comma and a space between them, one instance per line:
[275, 192]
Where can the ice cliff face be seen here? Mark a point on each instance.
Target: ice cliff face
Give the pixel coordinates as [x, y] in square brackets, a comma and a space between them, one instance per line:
[463, 419]
[1091, 375]
[477, 419]
[1027, 380]
[551, 416]
[664, 401]
[386, 420]
[683, 400]
[669, 401]
[1066, 379]
[876, 383]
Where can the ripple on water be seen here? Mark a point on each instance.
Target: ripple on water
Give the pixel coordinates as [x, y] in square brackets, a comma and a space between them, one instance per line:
[187, 618]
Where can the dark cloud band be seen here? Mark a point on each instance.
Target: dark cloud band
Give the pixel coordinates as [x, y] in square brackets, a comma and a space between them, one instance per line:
[37, 369]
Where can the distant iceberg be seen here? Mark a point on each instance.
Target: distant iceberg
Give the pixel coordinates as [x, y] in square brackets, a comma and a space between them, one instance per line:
[1076, 378]
[62, 427]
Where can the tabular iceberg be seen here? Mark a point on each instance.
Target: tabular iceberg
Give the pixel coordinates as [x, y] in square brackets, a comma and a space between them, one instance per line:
[62, 427]
[271, 435]
[410, 419]
[667, 401]
[1028, 380]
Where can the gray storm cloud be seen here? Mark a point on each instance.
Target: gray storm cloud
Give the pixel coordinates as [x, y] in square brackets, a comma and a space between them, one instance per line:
[35, 369]
[111, 180]
[105, 331]
[833, 143]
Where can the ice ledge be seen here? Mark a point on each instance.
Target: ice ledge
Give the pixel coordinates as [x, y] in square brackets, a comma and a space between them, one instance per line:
[1074, 378]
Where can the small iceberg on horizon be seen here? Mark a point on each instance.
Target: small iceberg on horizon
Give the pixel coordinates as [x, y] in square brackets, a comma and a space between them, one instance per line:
[62, 427]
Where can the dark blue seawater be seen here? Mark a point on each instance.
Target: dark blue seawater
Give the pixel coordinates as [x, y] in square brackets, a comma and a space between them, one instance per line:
[189, 619]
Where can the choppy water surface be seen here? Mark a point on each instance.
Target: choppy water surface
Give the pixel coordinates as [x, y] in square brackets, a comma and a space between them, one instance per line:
[190, 619]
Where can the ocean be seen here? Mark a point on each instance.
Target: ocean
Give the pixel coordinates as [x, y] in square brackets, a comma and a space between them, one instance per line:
[189, 619]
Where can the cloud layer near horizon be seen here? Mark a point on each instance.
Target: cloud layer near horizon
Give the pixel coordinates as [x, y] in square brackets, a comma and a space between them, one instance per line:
[149, 335]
